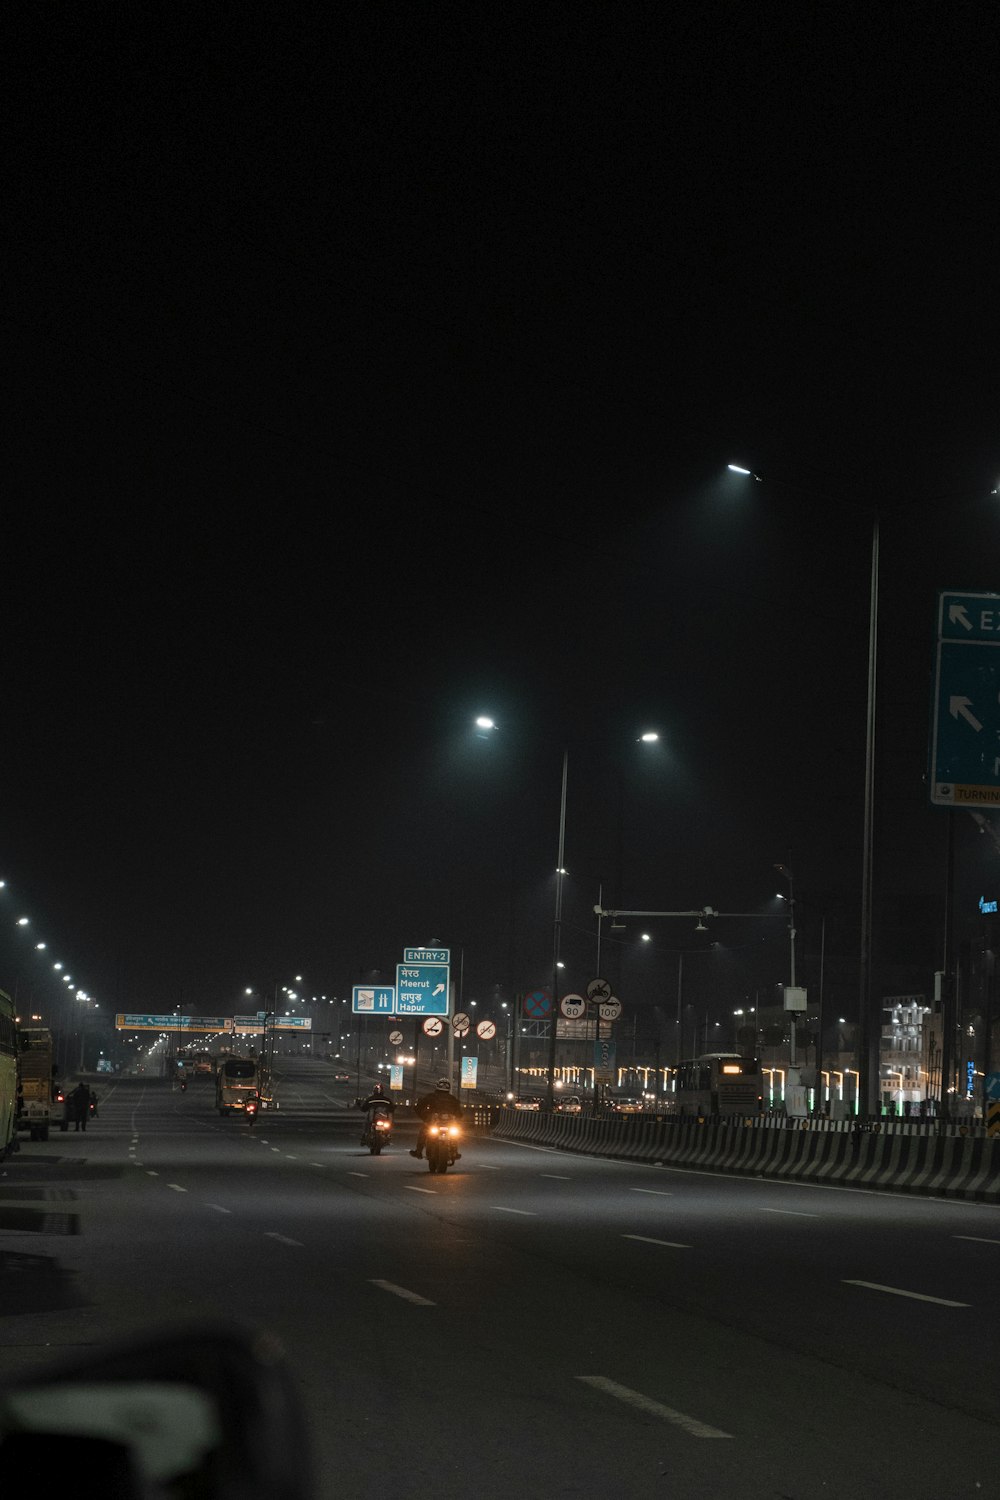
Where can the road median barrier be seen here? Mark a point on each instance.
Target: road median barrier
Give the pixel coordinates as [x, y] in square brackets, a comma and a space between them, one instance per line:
[949, 1165]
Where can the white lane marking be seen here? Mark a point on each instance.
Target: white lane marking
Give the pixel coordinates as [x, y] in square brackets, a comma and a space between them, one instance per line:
[293, 1158]
[176, 1187]
[484, 1166]
[409, 1189]
[976, 1238]
[219, 1208]
[271, 1234]
[793, 1213]
[317, 1163]
[670, 1244]
[276, 1148]
[263, 1141]
[653, 1192]
[551, 1177]
[526, 1212]
[401, 1291]
[654, 1408]
[357, 1174]
[152, 1174]
[897, 1291]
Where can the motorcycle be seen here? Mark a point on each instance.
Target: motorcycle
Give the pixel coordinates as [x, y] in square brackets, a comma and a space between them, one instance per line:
[378, 1131]
[441, 1144]
[250, 1109]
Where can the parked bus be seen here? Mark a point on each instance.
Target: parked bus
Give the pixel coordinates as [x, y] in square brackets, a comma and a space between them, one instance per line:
[717, 1083]
[8, 1074]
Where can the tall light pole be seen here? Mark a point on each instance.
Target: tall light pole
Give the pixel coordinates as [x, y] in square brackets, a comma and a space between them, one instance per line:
[868, 1050]
[485, 728]
[557, 936]
[792, 998]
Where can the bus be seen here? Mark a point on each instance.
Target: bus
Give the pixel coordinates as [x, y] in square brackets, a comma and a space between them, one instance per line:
[8, 1075]
[717, 1083]
[237, 1080]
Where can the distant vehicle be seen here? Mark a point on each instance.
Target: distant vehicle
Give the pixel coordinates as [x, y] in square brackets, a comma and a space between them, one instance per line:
[570, 1104]
[528, 1101]
[341, 1077]
[716, 1083]
[8, 1074]
[237, 1082]
[626, 1104]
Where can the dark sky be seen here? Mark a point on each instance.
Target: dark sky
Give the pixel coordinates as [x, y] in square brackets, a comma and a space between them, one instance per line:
[374, 367]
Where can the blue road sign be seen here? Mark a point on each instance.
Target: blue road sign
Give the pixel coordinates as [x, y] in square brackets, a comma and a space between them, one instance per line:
[965, 728]
[373, 1000]
[422, 989]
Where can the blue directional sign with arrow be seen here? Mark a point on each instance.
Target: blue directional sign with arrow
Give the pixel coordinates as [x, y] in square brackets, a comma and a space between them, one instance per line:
[965, 729]
[422, 989]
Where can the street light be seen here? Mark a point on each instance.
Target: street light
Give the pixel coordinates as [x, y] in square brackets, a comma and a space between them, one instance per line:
[869, 1039]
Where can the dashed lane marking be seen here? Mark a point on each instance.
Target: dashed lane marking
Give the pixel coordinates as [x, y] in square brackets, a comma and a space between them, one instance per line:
[527, 1213]
[898, 1291]
[653, 1192]
[176, 1187]
[271, 1234]
[219, 1208]
[792, 1213]
[646, 1240]
[401, 1291]
[690, 1425]
[976, 1239]
[152, 1174]
[551, 1177]
[410, 1189]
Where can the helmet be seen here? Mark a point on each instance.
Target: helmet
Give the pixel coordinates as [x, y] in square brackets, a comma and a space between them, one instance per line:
[444, 1084]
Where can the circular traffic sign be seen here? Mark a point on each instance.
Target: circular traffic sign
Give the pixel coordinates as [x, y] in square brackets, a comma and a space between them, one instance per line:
[433, 1026]
[461, 1023]
[599, 989]
[538, 1005]
[610, 1010]
[486, 1029]
[396, 1038]
[573, 1006]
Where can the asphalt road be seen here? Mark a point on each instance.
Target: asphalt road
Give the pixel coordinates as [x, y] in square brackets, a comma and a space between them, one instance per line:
[532, 1324]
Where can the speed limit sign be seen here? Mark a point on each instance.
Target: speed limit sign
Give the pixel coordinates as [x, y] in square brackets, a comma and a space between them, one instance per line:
[433, 1026]
[572, 1006]
[610, 1010]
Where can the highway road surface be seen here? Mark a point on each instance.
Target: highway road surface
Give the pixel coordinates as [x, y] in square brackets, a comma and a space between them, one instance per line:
[532, 1324]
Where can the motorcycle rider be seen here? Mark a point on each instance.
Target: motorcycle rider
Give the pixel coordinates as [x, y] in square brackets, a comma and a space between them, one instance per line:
[440, 1102]
[377, 1099]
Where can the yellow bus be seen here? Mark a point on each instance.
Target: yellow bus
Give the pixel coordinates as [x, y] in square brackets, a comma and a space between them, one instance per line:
[8, 1074]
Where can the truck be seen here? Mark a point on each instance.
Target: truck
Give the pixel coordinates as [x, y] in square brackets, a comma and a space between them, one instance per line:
[35, 1081]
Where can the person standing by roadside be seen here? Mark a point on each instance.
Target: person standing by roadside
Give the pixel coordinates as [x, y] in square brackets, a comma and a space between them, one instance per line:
[80, 1105]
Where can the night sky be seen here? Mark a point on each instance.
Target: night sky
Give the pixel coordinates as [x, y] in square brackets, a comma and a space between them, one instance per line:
[372, 368]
